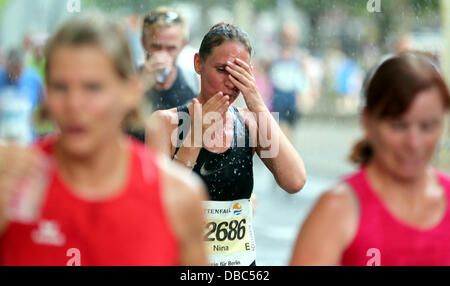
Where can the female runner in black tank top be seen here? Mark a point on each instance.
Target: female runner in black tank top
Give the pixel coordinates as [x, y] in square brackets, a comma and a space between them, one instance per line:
[223, 63]
[228, 175]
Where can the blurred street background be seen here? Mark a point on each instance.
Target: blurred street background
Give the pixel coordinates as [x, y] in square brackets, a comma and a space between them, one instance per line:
[335, 42]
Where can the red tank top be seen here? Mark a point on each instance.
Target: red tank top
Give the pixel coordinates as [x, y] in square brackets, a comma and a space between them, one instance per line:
[384, 238]
[130, 229]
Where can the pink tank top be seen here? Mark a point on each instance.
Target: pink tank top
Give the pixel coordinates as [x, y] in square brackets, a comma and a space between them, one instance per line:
[382, 239]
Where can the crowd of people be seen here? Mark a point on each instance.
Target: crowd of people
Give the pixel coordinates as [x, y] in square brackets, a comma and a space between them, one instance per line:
[139, 159]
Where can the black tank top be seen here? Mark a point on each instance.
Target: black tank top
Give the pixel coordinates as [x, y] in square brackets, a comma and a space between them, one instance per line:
[228, 175]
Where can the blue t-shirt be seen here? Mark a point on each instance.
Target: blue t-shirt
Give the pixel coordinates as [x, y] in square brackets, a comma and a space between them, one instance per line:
[17, 103]
[348, 78]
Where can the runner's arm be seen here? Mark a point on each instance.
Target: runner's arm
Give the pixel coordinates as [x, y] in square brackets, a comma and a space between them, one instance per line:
[16, 163]
[273, 147]
[158, 132]
[193, 249]
[275, 150]
[161, 136]
[184, 193]
[327, 231]
[3, 222]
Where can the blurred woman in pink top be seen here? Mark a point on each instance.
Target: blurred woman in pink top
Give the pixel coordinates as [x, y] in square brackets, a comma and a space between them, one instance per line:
[394, 210]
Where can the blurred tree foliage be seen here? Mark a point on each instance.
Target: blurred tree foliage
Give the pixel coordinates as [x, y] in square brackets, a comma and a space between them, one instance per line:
[120, 6]
[316, 7]
[395, 17]
[3, 4]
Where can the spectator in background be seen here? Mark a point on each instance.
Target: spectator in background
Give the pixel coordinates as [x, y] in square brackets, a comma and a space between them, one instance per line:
[164, 35]
[34, 45]
[186, 63]
[261, 73]
[348, 82]
[133, 23]
[403, 44]
[2, 57]
[21, 90]
[27, 46]
[36, 59]
[345, 78]
[288, 78]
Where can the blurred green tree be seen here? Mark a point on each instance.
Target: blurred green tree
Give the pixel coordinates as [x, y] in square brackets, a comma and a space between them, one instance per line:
[3, 4]
[396, 17]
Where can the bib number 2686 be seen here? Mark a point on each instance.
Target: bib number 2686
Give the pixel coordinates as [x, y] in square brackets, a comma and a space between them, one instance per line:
[226, 230]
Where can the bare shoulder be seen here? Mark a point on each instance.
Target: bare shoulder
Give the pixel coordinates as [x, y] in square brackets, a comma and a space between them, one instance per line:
[335, 213]
[181, 184]
[166, 117]
[339, 201]
[338, 210]
[159, 128]
[183, 193]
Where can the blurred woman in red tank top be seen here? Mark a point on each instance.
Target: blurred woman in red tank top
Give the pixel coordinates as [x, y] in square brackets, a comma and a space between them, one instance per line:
[395, 209]
[108, 199]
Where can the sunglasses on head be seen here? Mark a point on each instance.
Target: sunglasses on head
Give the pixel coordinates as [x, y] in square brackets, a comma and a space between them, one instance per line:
[168, 17]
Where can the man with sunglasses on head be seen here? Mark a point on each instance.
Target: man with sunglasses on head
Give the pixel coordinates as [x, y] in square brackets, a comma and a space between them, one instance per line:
[164, 35]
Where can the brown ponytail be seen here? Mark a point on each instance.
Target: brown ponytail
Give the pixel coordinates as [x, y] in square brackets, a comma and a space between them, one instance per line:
[362, 152]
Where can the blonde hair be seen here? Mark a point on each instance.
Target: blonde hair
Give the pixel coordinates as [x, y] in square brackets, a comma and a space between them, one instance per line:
[99, 31]
[160, 22]
[108, 35]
